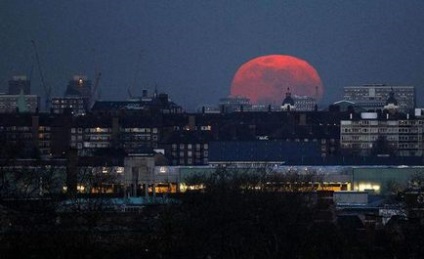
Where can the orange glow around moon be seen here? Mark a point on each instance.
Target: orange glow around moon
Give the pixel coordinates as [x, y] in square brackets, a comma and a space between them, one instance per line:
[265, 79]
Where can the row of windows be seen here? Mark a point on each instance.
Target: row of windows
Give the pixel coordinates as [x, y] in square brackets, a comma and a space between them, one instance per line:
[44, 144]
[136, 145]
[381, 130]
[409, 145]
[126, 130]
[96, 145]
[19, 136]
[411, 122]
[359, 138]
[142, 130]
[14, 128]
[372, 123]
[97, 137]
[202, 128]
[189, 146]
[357, 145]
[190, 154]
[44, 136]
[410, 138]
[140, 138]
[190, 161]
[91, 130]
[43, 128]
[367, 138]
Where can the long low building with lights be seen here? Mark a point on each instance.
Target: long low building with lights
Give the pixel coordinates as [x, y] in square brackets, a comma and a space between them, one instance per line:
[137, 175]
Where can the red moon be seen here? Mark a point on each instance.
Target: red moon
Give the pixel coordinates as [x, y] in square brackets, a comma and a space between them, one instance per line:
[265, 79]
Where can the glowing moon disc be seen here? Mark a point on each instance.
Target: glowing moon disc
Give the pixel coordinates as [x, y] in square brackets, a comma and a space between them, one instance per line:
[265, 79]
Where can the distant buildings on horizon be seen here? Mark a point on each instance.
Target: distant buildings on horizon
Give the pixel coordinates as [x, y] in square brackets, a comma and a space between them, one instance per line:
[79, 97]
[143, 133]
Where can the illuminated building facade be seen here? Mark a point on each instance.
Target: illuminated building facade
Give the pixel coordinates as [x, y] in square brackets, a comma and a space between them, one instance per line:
[373, 135]
[88, 138]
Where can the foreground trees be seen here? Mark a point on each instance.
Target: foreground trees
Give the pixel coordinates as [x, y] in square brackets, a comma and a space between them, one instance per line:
[253, 213]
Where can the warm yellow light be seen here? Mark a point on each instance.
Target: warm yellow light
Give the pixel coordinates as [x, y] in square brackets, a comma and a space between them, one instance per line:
[80, 187]
[183, 187]
[368, 186]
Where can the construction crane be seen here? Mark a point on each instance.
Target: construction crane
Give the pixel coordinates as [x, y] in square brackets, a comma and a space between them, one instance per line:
[94, 90]
[47, 89]
[94, 95]
[130, 88]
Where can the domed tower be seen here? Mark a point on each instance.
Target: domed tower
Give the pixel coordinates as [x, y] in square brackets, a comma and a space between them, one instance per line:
[288, 102]
[391, 103]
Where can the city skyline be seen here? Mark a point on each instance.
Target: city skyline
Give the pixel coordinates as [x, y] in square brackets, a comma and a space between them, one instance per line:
[192, 49]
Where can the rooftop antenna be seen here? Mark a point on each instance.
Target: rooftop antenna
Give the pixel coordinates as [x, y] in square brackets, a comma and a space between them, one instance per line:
[31, 69]
[156, 91]
[95, 93]
[47, 89]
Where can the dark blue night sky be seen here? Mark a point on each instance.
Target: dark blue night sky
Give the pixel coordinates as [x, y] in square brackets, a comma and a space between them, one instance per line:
[191, 49]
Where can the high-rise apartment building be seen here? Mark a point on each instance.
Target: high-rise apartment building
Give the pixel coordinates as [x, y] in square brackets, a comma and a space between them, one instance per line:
[374, 96]
[371, 135]
[21, 103]
[18, 85]
[75, 105]
[80, 87]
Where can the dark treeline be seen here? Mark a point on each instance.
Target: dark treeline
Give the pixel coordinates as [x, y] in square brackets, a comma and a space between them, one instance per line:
[233, 215]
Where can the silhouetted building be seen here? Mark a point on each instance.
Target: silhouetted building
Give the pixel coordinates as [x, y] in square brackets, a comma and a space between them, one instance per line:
[19, 103]
[304, 103]
[374, 96]
[288, 102]
[235, 104]
[159, 103]
[391, 103]
[73, 105]
[275, 152]
[381, 135]
[18, 84]
[80, 87]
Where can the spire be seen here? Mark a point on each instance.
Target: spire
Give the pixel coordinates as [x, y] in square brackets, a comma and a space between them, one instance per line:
[288, 102]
